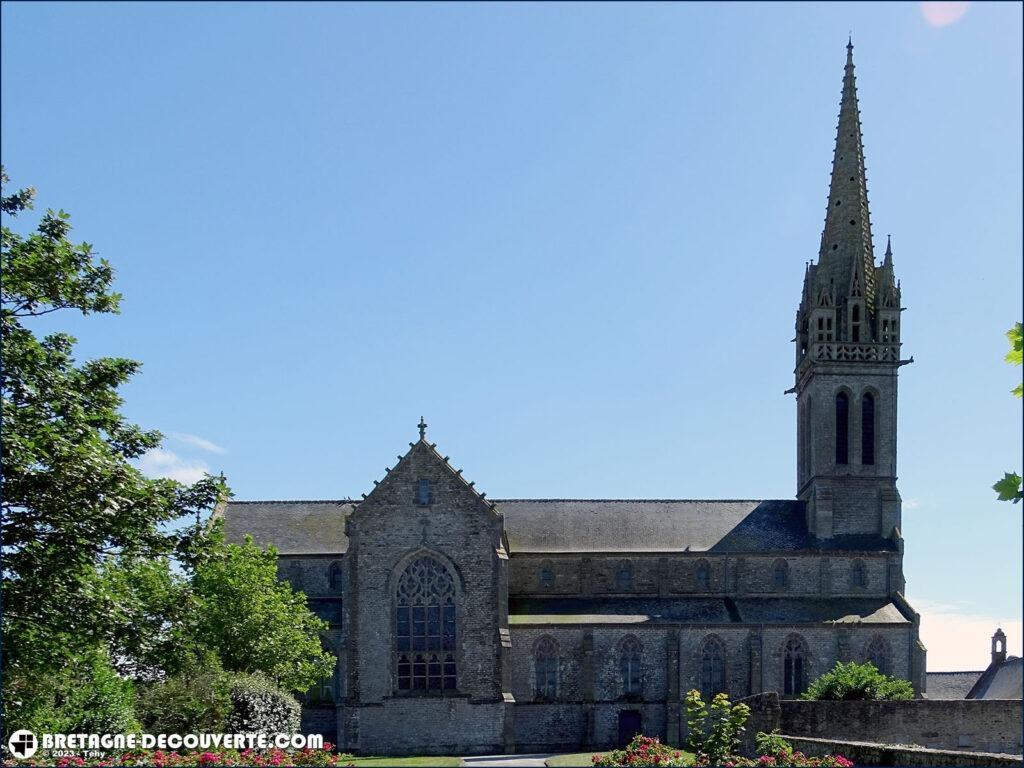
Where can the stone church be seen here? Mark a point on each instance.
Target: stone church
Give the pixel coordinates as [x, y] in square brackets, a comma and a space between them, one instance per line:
[467, 624]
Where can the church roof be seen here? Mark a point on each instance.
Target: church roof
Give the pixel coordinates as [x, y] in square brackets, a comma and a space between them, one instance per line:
[663, 525]
[294, 527]
[699, 610]
[1002, 680]
[950, 685]
[568, 526]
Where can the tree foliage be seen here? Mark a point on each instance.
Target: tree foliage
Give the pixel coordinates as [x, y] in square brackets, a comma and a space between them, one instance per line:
[1009, 487]
[195, 700]
[70, 495]
[715, 729]
[858, 682]
[254, 622]
[105, 581]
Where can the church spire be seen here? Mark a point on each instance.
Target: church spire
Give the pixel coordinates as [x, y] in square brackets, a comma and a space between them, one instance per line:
[846, 239]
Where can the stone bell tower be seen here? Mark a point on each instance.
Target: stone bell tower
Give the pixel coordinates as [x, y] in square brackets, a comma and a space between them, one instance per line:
[847, 357]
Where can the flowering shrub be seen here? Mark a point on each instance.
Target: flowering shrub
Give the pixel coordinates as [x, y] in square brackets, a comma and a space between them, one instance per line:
[715, 730]
[642, 750]
[258, 706]
[798, 759]
[225, 757]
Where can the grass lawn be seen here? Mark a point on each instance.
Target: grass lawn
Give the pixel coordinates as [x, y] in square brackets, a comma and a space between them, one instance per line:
[383, 762]
[584, 758]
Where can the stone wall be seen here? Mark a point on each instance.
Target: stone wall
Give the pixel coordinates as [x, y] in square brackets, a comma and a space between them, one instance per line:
[809, 575]
[972, 725]
[456, 529]
[322, 720]
[867, 753]
[541, 727]
[431, 726]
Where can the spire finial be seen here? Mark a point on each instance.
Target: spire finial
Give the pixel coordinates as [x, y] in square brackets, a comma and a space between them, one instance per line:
[888, 246]
[423, 428]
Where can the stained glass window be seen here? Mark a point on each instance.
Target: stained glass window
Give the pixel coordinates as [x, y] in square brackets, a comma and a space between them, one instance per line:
[425, 627]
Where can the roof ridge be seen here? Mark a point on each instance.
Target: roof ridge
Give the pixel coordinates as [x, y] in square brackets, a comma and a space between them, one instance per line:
[294, 501]
[496, 501]
[648, 501]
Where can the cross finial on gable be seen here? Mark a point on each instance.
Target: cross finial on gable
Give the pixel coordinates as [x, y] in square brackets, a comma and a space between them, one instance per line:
[423, 428]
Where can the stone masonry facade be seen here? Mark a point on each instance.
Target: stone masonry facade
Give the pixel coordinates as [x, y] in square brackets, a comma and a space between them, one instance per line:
[463, 624]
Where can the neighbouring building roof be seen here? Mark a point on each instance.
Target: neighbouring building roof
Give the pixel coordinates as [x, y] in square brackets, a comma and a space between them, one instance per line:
[1002, 680]
[950, 685]
[627, 610]
[570, 525]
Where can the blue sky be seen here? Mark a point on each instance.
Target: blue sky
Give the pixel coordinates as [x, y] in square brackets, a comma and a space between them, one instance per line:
[571, 236]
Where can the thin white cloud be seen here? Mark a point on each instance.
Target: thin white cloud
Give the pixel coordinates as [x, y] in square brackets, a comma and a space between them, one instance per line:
[912, 504]
[943, 14]
[162, 463]
[957, 639]
[198, 442]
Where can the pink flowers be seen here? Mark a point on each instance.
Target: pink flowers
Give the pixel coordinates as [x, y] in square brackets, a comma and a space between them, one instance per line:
[641, 751]
[161, 759]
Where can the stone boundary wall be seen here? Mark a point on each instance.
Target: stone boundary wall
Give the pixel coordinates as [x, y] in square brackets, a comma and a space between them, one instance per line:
[865, 753]
[972, 725]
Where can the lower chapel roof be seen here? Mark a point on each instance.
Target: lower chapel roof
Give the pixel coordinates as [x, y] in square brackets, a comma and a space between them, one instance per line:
[551, 526]
[702, 611]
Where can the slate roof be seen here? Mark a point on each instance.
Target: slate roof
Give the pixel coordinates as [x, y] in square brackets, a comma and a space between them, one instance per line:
[571, 525]
[950, 685]
[294, 527]
[1000, 681]
[619, 610]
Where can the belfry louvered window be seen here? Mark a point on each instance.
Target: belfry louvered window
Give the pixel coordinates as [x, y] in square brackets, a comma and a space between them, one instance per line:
[425, 628]
[867, 429]
[842, 428]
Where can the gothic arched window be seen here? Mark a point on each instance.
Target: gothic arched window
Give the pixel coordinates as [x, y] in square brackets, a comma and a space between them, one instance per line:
[335, 578]
[842, 428]
[624, 576]
[794, 666]
[629, 666]
[703, 575]
[878, 653]
[425, 627]
[867, 429]
[545, 667]
[855, 323]
[781, 574]
[858, 575]
[712, 668]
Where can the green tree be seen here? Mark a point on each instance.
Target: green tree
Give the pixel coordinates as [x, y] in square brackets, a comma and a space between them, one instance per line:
[254, 622]
[86, 697]
[1009, 488]
[195, 700]
[71, 497]
[858, 682]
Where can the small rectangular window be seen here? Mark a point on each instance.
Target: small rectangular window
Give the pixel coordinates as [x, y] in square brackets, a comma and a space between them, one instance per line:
[423, 496]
